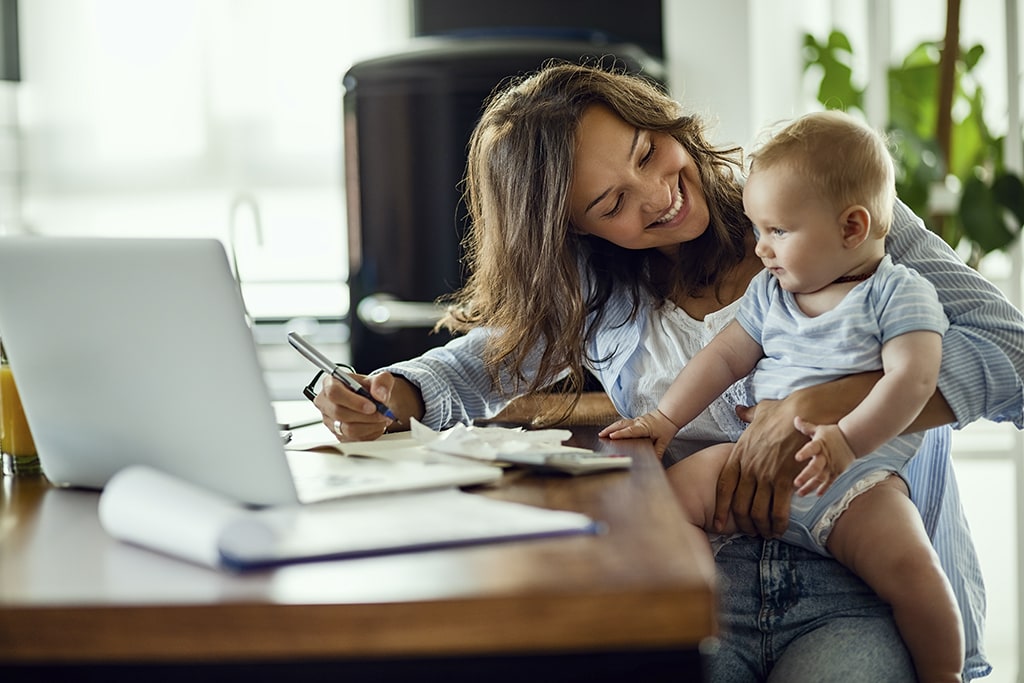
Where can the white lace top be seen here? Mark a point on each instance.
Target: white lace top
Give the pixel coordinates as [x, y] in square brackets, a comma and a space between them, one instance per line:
[668, 341]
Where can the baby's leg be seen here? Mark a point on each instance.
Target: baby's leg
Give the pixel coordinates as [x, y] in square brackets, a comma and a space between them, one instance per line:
[694, 480]
[881, 538]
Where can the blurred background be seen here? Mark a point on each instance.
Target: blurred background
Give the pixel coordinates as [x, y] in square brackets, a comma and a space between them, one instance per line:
[321, 141]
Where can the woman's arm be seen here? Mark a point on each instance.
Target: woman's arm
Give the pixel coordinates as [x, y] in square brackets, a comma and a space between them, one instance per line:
[983, 349]
[445, 386]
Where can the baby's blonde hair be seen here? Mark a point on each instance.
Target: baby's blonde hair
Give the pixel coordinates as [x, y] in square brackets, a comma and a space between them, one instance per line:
[840, 158]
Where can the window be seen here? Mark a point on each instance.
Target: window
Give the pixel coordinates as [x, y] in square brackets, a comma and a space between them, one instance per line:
[185, 117]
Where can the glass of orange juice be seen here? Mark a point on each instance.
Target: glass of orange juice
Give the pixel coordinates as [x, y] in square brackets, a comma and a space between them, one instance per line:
[16, 445]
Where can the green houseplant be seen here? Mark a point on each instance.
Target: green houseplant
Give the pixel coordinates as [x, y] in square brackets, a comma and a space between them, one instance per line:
[972, 201]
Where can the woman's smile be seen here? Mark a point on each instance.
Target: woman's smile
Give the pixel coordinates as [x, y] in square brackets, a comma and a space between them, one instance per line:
[673, 211]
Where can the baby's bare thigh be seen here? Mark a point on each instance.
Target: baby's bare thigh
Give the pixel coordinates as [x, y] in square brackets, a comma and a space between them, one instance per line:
[694, 480]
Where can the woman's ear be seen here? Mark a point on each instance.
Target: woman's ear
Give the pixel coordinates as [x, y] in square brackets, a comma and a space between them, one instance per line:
[856, 226]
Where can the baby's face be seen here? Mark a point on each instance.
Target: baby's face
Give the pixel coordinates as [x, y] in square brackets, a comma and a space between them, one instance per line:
[799, 235]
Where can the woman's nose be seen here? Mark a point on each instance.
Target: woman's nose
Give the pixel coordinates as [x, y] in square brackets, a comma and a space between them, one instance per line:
[659, 198]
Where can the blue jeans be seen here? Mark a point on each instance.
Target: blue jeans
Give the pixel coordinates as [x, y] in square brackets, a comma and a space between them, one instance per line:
[789, 615]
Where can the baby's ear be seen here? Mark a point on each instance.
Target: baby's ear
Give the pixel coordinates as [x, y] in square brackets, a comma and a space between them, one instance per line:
[856, 225]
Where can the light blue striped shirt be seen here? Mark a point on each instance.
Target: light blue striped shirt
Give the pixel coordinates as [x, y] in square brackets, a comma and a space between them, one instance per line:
[802, 351]
[981, 377]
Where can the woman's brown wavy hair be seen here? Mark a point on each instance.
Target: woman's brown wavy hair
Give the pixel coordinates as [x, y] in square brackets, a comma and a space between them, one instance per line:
[523, 258]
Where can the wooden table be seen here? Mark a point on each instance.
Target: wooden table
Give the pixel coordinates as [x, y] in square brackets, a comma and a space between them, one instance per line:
[637, 600]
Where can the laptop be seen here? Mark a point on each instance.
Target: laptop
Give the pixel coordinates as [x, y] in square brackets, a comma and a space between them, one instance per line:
[135, 351]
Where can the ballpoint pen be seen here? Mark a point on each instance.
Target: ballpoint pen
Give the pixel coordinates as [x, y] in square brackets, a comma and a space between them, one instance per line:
[321, 361]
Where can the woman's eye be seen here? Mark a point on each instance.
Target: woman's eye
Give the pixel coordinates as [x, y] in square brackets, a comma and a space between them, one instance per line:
[650, 153]
[615, 209]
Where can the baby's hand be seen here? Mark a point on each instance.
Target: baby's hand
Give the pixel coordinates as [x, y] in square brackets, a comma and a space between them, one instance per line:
[828, 454]
[626, 428]
[653, 425]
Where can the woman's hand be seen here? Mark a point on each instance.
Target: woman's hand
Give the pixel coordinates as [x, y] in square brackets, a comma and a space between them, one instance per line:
[756, 483]
[350, 417]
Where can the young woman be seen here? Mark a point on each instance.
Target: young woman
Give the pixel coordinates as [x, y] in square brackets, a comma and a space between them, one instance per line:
[607, 235]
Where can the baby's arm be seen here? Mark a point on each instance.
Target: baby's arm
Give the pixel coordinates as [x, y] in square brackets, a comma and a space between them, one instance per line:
[911, 367]
[732, 354]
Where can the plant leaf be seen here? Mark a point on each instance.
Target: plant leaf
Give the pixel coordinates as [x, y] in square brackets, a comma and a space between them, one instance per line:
[982, 216]
[1009, 191]
[836, 89]
[837, 40]
[972, 56]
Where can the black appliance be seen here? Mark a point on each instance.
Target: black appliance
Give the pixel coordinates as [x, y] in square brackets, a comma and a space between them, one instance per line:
[407, 121]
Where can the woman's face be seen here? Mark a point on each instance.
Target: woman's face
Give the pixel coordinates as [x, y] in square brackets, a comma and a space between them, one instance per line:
[635, 188]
